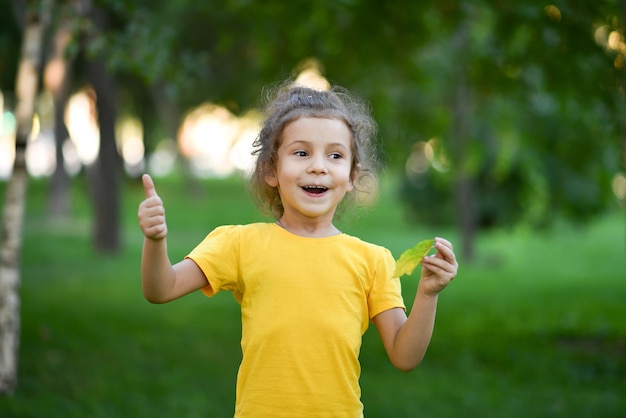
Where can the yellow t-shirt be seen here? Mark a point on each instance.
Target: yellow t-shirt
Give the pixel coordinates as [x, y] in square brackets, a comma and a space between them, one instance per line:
[305, 304]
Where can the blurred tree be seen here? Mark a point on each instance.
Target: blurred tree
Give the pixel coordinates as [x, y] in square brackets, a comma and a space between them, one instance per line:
[104, 179]
[57, 80]
[545, 100]
[36, 18]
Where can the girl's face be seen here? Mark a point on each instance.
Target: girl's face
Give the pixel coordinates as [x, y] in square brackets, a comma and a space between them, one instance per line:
[313, 169]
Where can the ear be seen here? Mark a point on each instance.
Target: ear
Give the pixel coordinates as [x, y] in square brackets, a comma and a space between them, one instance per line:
[271, 179]
[353, 176]
[350, 185]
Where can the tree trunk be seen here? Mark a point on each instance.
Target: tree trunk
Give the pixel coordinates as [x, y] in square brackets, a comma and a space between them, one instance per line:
[166, 108]
[105, 181]
[13, 214]
[57, 80]
[464, 189]
[464, 195]
[171, 117]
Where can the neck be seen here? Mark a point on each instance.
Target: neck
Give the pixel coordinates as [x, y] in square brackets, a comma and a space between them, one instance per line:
[311, 229]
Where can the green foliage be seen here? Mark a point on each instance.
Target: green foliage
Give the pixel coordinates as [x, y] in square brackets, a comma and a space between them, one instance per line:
[10, 39]
[525, 98]
[544, 116]
[534, 328]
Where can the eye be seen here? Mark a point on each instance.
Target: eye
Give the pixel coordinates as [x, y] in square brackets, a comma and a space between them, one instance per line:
[300, 153]
[335, 156]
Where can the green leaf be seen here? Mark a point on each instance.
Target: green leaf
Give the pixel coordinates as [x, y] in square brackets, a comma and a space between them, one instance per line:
[412, 257]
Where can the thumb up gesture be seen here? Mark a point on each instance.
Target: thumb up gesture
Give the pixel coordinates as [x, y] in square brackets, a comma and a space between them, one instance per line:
[151, 212]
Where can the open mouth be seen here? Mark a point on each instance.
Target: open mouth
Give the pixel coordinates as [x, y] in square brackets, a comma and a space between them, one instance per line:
[315, 189]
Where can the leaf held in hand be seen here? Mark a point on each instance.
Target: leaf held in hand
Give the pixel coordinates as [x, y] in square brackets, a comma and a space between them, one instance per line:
[412, 257]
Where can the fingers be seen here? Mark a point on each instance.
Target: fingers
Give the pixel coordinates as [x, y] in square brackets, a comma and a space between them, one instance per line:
[444, 261]
[445, 250]
[438, 269]
[148, 186]
[439, 266]
[151, 213]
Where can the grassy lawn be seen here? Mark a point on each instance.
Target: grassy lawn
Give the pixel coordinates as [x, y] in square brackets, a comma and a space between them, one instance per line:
[534, 328]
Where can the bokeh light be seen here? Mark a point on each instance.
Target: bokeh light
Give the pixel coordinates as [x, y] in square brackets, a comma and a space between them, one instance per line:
[162, 161]
[214, 141]
[619, 187]
[81, 122]
[205, 138]
[129, 135]
[7, 140]
[424, 155]
[310, 75]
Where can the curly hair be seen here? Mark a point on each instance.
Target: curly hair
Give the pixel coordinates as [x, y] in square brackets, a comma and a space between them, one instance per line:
[287, 103]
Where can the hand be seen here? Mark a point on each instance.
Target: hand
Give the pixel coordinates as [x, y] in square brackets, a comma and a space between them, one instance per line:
[151, 212]
[438, 269]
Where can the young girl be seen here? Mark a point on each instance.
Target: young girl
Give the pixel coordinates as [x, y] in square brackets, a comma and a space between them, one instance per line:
[307, 291]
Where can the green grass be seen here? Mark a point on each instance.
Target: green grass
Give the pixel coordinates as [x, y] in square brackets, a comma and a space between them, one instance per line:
[534, 328]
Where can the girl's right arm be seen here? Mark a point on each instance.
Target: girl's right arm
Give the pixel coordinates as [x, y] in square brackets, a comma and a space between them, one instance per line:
[161, 281]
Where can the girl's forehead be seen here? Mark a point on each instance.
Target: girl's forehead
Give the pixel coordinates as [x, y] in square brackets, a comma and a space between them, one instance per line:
[317, 129]
[317, 115]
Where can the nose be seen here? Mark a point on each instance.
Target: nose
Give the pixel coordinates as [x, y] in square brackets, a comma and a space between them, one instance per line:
[317, 165]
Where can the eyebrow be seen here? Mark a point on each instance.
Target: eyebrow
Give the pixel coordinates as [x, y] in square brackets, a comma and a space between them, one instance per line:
[304, 142]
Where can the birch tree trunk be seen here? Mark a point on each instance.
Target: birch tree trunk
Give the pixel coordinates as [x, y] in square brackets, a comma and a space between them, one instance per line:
[37, 14]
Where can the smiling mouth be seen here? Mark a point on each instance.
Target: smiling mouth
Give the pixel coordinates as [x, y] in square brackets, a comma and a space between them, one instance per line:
[314, 189]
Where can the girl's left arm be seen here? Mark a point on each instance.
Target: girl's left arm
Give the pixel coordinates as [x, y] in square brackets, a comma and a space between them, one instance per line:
[406, 339]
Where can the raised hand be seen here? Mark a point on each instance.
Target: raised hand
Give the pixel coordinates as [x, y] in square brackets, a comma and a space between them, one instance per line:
[439, 269]
[151, 212]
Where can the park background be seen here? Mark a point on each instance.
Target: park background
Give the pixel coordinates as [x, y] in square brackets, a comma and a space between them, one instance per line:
[501, 126]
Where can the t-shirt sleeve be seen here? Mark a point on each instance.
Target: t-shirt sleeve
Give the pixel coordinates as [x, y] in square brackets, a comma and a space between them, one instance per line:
[218, 258]
[386, 291]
